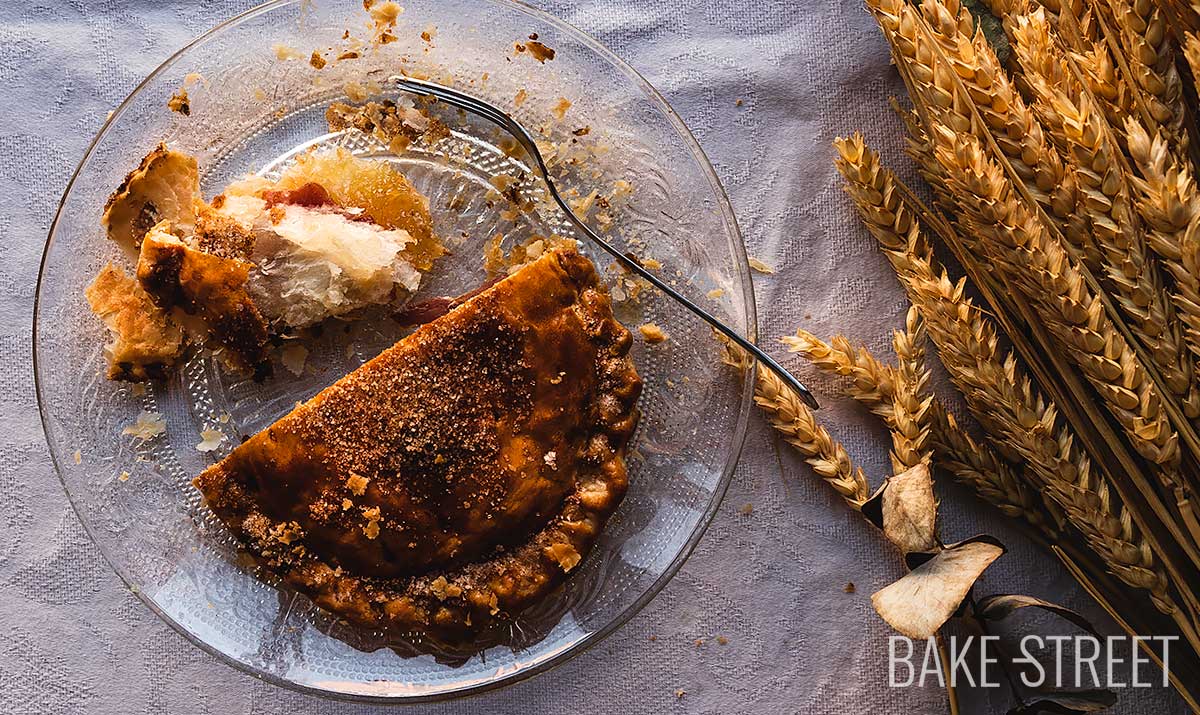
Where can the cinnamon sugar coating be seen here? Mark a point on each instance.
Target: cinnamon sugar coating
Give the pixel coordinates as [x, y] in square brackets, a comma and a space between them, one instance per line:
[454, 480]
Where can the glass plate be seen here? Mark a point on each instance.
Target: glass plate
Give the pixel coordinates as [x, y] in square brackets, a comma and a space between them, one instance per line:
[256, 101]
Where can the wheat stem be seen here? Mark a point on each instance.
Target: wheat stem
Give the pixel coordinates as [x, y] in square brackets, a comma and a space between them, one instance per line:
[788, 414]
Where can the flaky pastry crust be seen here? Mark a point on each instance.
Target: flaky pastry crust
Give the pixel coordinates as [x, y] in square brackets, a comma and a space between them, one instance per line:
[457, 478]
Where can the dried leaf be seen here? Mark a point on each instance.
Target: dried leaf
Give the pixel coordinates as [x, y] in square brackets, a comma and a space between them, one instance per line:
[1068, 703]
[919, 603]
[905, 508]
[1001, 606]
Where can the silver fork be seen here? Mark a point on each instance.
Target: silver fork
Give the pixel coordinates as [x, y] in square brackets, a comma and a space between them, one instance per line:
[498, 117]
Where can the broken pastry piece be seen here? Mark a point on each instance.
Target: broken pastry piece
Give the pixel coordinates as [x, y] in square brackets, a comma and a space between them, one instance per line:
[211, 287]
[334, 234]
[165, 186]
[460, 476]
[146, 343]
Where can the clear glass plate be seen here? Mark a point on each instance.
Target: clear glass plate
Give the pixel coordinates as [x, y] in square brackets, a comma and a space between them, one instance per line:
[252, 111]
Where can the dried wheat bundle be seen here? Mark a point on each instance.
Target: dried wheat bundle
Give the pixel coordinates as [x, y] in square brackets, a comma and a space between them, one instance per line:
[1169, 203]
[876, 195]
[1036, 263]
[796, 422]
[1007, 403]
[1105, 190]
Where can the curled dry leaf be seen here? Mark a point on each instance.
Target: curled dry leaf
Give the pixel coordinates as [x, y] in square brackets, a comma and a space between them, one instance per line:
[919, 603]
[905, 508]
[1001, 606]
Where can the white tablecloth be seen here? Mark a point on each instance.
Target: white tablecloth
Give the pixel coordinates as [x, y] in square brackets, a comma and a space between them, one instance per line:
[770, 583]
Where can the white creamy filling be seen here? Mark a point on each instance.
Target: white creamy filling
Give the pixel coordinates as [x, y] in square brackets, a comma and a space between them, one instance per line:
[316, 263]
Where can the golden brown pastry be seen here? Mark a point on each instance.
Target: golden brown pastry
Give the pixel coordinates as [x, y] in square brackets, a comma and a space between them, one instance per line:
[145, 341]
[209, 286]
[458, 477]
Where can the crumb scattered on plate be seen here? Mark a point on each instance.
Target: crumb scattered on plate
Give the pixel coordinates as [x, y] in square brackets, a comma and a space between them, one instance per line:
[317, 60]
[293, 356]
[147, 426]
[760, 266]
[284, 52]
[123, 476]
[716, 293]
[560, 109]
[180, 103]
[652, 334]
[850, 587]
[722, 640]
[522, 95]
[210, 439]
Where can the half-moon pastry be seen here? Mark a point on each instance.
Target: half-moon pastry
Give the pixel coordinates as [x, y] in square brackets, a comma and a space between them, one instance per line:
[457, 478]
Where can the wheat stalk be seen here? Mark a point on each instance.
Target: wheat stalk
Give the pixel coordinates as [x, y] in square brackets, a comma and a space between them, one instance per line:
[876, 195]
[798, 425]
[998, 393]
[1168, 202]
[1106, 193]
[910, 423]
[1146, 39]
[971, 463]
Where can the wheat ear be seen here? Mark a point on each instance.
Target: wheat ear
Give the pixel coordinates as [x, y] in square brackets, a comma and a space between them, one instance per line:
[1131, 274]
[1146, 39]
[971, 463]
[1168, 202]
[798, 425]
[998, 391]
[910, 425]
[876, 195]
[1191, 52]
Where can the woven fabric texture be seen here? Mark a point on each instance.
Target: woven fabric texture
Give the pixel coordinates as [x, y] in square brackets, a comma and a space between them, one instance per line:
[759, 620]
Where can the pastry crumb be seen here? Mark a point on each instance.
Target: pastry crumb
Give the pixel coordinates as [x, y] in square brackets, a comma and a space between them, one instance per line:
[317, 60]
[78, 457]
[747, 509]
[698, 642]
[850, 587]
[760, 266]
[293, 357]
[123, 476]
[716, 293]
[210, 439]
[443, 589]
[284, 52]
[565, 555]
[551, 459]
[560, 109]
[347, 505]
[371, 528]
[722, 640]
[147, 426]
[357, 484]
[651, 264]
[680, 693]
[180, 103]
[652, 334]
[540, 52]
[522, 95]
